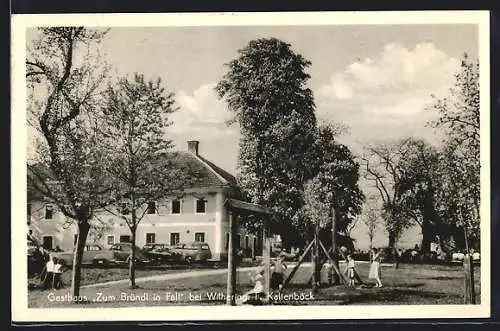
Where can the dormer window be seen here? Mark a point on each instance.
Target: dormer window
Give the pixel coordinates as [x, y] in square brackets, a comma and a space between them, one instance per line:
[201, 206]
[49, 212]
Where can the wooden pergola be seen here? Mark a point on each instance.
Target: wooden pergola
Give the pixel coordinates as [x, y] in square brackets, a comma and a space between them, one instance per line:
[235, 208]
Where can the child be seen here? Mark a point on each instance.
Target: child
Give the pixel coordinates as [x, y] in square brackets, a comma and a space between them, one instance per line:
[257, 293]
[277, 275]
[350, 271]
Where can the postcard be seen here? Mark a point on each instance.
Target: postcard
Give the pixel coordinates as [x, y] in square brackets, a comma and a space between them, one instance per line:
[250, 166]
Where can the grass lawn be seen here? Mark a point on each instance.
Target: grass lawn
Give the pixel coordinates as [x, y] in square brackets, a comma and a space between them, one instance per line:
[410, 284]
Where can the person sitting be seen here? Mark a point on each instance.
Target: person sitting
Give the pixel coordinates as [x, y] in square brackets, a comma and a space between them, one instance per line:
[57, 274]
[47, 274]
[256, 294]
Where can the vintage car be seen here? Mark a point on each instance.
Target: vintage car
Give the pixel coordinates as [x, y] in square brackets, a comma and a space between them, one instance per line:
[119, 254]
[192, 252]
[163, 254]
[94, 254]
[89, 254]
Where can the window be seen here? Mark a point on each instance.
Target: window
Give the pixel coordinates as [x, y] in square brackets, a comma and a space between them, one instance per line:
[110, 240]
[227, 240]
[47, 242]
[200, 206]
[238, 241]
[92, 248]
[199, 237]
[151, 207]
[150, 238]
[124, 239]
[247, 243]
[176, 206]
[116, 247]
[124, 208]
[49, 212]
[175, 238]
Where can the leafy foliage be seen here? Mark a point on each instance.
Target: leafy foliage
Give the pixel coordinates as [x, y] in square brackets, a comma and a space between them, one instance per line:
[383, 167]
[335, 186]
[265, 88]
[139, 162]
[458, 196]
[62, 93]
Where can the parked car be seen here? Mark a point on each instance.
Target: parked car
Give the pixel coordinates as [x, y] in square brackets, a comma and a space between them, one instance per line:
[151, 247]
[119, 254]
[194, 251]
[164, 254]
[457, 256]
[89, 254]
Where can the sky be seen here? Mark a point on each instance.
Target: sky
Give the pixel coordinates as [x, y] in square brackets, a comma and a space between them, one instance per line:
[374, 79]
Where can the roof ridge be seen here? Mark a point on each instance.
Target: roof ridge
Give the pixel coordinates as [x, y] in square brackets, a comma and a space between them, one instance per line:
[210, 167]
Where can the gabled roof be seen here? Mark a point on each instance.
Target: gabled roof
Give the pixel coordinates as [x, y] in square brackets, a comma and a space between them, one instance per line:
[201, 173]
[209, 175]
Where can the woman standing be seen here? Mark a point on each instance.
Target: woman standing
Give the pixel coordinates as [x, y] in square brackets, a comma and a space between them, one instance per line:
[375, 267]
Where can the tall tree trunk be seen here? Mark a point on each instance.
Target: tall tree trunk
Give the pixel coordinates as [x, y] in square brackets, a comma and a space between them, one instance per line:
[335, 218]
[427, 237]
[392, 239]
[83, 231]
[132, 258]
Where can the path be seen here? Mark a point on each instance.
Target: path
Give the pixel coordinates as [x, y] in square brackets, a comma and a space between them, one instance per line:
[195, 273]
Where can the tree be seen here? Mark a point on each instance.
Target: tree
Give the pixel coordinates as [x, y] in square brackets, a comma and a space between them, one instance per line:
[334, 192]
[371, 218]
[64, 78]
[418, 183]
[459, 118]
[383, 168]
[332, 197]
[265, 89]
[141, 166]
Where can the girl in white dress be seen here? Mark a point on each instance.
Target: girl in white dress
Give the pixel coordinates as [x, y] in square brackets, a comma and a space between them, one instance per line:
[375, 267]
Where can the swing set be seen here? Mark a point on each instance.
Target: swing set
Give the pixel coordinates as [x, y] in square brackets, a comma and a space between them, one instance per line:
[237, 208]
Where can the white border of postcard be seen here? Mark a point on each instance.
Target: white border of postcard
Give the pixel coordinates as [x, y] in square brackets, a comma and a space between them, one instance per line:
[20, 310]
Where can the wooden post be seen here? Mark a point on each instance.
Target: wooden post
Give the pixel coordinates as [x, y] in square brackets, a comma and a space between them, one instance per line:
[267, 258]
[315, 261]
[335, 267]
[299, 262]
[231, 265]
[469, 294]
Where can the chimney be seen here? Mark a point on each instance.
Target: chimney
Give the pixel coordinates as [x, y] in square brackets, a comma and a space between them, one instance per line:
[193, 146]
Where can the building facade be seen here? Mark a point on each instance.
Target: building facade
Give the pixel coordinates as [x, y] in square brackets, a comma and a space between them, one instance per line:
[197, 214]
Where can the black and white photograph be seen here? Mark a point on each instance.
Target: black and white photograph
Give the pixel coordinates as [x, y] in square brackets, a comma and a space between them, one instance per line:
[250, 166]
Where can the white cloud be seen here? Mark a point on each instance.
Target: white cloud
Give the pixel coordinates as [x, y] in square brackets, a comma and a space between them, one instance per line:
[339, 87]
[386, 95]
[418, 67]
[199, 110]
